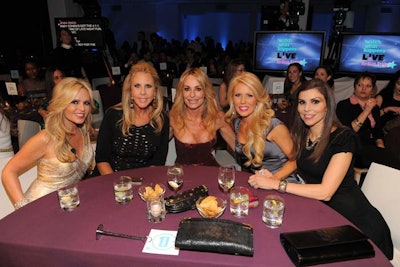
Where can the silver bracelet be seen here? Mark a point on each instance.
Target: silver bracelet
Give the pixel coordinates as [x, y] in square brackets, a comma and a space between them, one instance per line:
[21, 203]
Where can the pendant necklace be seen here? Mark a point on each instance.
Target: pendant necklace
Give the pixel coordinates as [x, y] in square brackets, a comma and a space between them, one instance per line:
[310, 145]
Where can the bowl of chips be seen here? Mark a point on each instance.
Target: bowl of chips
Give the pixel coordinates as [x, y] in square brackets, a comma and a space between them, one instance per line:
[151, 191]
[210, 206]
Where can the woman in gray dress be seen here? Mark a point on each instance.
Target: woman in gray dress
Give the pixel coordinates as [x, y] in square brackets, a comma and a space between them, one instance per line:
[262, 141]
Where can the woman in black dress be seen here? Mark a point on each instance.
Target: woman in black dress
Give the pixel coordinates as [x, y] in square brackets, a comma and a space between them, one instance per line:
[325, 152]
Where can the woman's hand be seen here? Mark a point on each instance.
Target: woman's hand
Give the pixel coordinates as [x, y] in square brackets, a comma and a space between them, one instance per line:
[370, 104]
[263, 179]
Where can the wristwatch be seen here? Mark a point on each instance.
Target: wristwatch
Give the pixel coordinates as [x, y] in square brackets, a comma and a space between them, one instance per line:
[282, 186]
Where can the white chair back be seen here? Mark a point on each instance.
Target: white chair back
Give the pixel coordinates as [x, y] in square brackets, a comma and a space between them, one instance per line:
[171, 156]
[382, 188]
[26, 129]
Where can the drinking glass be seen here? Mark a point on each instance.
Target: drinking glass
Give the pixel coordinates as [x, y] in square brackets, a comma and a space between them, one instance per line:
[123, 190]
[273, 210]
[283, 105]
[226, 177]
[68, 197]
[175, 176]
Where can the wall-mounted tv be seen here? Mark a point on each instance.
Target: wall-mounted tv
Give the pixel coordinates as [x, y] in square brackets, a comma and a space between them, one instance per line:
[87, 32]
[377, 53]
[275, 50]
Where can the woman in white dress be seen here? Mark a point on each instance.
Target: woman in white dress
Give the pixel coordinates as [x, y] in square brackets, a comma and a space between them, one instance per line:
[62, 151]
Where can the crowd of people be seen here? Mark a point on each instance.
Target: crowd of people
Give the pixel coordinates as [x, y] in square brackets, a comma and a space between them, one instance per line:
[313, 157]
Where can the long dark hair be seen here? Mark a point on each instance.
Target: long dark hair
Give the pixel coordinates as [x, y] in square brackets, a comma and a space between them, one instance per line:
[288, 84]
[392, 83]
[300, 130]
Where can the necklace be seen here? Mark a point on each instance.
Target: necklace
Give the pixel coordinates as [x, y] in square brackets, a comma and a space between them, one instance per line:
[310, 145]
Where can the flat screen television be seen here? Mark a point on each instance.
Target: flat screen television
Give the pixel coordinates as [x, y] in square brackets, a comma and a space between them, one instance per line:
[275, 50]
[378, 53]
[87, 32]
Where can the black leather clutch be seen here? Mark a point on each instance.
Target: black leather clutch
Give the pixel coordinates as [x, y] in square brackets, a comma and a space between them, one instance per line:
[215, 235]
[326, 245]
[186, 200]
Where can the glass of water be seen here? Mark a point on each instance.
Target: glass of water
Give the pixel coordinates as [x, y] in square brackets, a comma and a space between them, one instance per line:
[273, 210]
[123, 191]
[68, 197]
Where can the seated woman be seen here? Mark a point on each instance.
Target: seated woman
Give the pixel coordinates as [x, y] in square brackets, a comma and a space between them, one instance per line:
[196, 118]
[361, 113]
[262, 141]
[235, 67]
[388, 101]
[134, 133]
[325, 73]
[294, 79]
[62, 152]
[325, 151]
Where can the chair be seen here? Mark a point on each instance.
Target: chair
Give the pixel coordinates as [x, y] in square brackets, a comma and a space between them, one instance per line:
[100, 81]
[382, 188]
[26, 129]
[97, 118]
[171, 156]
[224, 158]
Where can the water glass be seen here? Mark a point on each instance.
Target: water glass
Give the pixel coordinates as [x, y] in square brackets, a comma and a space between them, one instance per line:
[273, 210]
[156, 210]
[68, 197]
[123, 191]
[239, 201]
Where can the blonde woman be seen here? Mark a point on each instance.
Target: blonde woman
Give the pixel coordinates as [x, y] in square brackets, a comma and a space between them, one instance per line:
[134, 133]
[62, 152]
[196, 118]
[262, 141]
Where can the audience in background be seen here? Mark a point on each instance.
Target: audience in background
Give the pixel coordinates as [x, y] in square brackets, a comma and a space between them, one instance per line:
[135, 132]
[66, 56]
[325, 73]
[234, 68]
[325, 151]
[262, 141]
[52, 77]
[62, 151]
[6, 148]
[196, 118]
[361, 113]
[32, 85]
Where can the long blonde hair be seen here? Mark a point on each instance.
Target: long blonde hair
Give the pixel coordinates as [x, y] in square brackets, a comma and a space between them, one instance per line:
[260, 118]
[211, 108]
[156, 116]
[63, 94]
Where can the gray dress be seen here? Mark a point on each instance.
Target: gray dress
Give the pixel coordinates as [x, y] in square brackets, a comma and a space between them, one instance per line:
[273, 159]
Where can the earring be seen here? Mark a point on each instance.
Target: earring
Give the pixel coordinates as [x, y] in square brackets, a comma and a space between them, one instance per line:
[131, 103]
[233, 112]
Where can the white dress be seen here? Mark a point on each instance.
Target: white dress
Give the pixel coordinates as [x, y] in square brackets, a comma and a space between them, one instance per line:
[53, 174]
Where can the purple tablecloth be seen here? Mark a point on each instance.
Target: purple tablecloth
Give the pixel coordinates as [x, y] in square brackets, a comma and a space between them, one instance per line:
[41, 234]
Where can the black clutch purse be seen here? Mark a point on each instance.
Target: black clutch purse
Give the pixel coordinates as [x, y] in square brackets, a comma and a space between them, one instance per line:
[215, 235]
[326, 245]
[186, 200]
